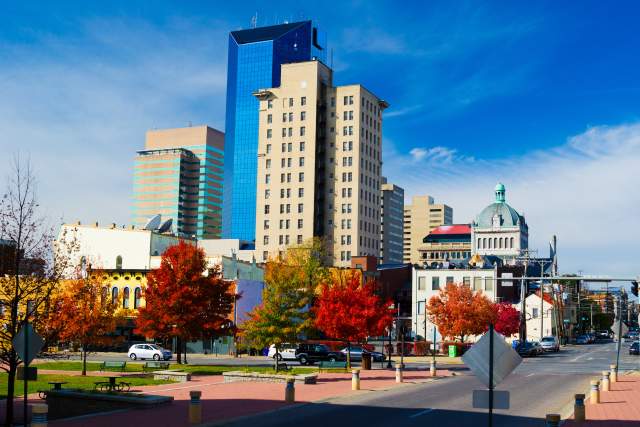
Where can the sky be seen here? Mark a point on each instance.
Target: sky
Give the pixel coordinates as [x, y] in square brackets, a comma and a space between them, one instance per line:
[544, 97]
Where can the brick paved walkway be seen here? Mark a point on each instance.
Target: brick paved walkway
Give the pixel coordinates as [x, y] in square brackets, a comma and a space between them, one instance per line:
[619, 407]
[229, 400]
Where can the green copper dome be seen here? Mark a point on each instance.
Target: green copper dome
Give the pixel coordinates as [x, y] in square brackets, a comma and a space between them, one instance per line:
[499, 213]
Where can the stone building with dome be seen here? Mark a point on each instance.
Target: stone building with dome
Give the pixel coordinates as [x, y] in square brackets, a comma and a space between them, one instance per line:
[499, 229]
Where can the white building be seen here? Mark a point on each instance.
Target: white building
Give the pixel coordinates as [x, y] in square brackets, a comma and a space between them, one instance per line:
[499, 229]
[427, 282]
[533, 311]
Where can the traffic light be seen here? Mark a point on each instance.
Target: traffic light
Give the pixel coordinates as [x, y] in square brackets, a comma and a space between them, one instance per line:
[634, 288]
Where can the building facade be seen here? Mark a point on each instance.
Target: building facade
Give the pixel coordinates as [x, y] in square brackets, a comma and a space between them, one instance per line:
[499, 229]
[179, 175]
[391, 225]
[446, 244]
[420, 217]
[319, 161]
[254, 60]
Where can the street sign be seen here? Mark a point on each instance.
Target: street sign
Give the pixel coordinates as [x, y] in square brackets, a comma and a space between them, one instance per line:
[505, 359]
[34, 344]
[500, 399]
[616, 327]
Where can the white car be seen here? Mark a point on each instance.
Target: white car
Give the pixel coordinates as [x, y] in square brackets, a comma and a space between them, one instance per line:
[148, 351]
[287, 352]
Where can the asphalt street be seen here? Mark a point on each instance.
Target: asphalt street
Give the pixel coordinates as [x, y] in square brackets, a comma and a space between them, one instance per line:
[537, 387]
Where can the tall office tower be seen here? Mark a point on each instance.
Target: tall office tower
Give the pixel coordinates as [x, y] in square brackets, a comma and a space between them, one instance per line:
[254, 61]
[179, 175]
[319, 160]
[420, 217]
[391, 227]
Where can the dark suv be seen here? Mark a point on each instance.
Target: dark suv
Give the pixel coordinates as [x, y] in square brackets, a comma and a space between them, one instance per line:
[310, 353]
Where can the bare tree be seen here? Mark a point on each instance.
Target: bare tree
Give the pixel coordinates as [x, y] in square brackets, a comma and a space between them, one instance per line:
[35, 267]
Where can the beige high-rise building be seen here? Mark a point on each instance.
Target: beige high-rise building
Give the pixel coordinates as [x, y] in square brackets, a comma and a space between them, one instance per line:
[420, 217]
[319, 164]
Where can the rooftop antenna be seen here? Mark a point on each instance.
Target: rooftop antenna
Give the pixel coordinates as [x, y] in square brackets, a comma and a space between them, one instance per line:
[254, 20]
[331, 59]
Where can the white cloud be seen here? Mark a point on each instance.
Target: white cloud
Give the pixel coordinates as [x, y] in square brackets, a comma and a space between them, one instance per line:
[585, 192]
[80, 106]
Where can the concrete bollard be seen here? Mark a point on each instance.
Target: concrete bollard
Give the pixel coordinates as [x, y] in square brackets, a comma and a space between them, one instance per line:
[605, 381]
[433, 368]
[39, 415]
[614, 374]
[595, 391]
[355, 379]
[195, 408]
[578, 408]
[290, 391]
[552, 420]
[398, 374]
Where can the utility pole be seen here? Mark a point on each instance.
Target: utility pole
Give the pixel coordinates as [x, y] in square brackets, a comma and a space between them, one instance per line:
[591, 307]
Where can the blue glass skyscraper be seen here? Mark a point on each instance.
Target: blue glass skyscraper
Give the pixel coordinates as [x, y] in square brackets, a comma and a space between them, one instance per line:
[254, 61]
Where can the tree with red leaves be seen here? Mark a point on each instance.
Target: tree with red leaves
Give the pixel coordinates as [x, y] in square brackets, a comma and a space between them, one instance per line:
[84, 313]
[351, 311]
[459, 312]
[182, 303]
[507, 319]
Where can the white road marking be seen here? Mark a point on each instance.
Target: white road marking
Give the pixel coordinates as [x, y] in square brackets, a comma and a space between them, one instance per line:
[426, 411]
[531, 374]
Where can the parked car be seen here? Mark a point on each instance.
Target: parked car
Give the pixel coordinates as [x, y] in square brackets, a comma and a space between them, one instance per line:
[592, 338]
[149, 351]
[635, 348]
[311, 353]
[287, 352]
[538, 347]
[604, 335]
[550, 344]
[357, 351]
[527, 349]
[583, 339]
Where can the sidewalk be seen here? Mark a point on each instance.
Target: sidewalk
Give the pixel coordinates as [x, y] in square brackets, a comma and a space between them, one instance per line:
[618, 407]
[222, 401]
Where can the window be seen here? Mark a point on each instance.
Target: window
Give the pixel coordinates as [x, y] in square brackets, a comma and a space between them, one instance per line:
[346, 100]
[266, 209]
[300, 207]
[269, 133]
[350, 100]
[488, 283]
[290, 117]
[267, 193]
[435, 283]
[268, 148]
[512, 243]
[303, 101]
[477, 283]
[449, 280]
[284, 132]
[302, 130]
[301, 161]
[466, 281]
[301, 177]
[290, 102]
[269, 104]
[299, 239]
[303, 115]
[284, 147]
[421, 306]
[268, 164]
[422, 283]
[125, 298]
[289, 147]
[534, 313]
[265, 240]
[269, 118]
[136, 297]
[266, 224]
[300, 192]
[114, 296]
[299, 223]
[284, 118]
[333, 102]
[118, 262]
[302, 146]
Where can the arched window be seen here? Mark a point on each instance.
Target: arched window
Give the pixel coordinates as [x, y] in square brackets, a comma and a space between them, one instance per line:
[495, 242]
[479, 243]
[114, 295]
[136, 297]
[104, 295]
[512, 242]
[484, 243]
[125, 297]
[118, 262]
[490, 243]
[500, 243]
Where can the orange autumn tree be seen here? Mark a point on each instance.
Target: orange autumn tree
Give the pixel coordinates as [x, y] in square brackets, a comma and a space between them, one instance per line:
[351, 311]
[84, 313]
[182, 303]
[459, 312]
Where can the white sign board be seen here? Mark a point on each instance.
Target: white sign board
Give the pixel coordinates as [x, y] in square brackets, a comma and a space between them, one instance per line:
[34, 344]
[507, 282]
[616, 326]
[500, 399]
[505, 359]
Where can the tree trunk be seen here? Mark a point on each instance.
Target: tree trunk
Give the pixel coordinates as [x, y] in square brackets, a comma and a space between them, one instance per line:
[10, 391]
[185, 352]
[348, 355]
[178, 350]
[84, 360]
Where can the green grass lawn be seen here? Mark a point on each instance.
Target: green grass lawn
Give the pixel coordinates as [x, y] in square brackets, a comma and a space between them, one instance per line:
[77, 382]
[193, 369]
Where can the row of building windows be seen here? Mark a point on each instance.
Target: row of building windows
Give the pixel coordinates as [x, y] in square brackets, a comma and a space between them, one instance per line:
[477, 283]
[137, 295]
[288, 101]
[287, 147]
[285, 162]
[284, 193]
[284, 225]
[283, 239]
[284, 177]
[496, 243]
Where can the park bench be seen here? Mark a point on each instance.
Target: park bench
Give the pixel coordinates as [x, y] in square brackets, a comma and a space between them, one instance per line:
[154, 366]
[104, 366]
[332, 365]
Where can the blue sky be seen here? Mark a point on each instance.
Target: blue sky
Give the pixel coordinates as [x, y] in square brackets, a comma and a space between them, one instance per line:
[542, 96]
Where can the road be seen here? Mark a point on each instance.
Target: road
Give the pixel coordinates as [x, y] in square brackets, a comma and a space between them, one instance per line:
[537, 387]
